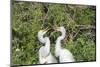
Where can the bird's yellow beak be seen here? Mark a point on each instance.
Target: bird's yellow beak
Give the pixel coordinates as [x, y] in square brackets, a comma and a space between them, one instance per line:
[45, 30]
[56, 28]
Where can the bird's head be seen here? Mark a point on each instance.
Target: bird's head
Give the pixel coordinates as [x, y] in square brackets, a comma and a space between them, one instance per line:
[62, 30]
[42, 32]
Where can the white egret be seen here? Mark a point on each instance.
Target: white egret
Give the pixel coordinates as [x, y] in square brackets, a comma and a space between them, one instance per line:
[45, 55]
[64, 55]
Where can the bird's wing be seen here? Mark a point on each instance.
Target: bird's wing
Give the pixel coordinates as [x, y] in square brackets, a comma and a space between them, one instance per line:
[66, 56]
[51, 59]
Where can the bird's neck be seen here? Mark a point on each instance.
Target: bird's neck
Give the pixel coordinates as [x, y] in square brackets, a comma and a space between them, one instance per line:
[58, 41]
[42, 39]
[47, 44]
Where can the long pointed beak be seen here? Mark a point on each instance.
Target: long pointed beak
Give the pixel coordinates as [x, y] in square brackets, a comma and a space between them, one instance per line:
[56, 28]
[45, 30]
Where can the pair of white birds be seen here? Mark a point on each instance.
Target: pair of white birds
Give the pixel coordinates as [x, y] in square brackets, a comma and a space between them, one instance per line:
[45, 55]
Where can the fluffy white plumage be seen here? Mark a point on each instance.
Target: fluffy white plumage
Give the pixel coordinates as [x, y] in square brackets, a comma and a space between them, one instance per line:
[64, 54]
[45, 55]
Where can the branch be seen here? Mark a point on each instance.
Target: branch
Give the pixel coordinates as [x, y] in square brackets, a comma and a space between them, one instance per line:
[81, 27]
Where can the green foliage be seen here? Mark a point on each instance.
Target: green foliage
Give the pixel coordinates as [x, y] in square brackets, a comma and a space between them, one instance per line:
[28, 18]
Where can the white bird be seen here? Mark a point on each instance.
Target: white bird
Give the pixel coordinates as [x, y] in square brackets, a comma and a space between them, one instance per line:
[64, 55]
[45, 55]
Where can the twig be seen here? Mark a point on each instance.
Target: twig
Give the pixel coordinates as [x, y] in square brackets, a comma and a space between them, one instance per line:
[85, 27]
[76, 34]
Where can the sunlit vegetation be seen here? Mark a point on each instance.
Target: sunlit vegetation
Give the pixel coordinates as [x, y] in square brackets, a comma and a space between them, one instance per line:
[29, 17]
